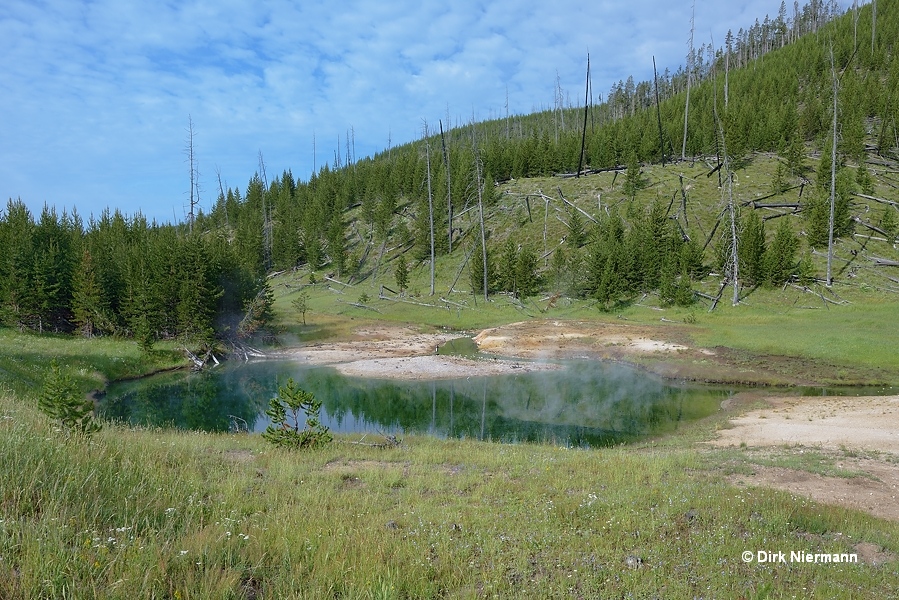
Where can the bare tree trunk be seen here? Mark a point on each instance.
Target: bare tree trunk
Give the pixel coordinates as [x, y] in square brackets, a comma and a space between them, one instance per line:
[734, 260]
[683, 151]
[726, 74]
[449, 187]
[266, 219]
[477, 162]
[218, 174]
[430, 204]
[655, 76]
[833, 175]
[873, 22]
[584, 134]
[194, 175]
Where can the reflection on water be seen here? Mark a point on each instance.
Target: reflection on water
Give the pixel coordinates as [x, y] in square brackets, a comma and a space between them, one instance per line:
[587, 403]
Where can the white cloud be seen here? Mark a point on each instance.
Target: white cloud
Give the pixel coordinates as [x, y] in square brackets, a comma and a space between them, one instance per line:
[96, 95]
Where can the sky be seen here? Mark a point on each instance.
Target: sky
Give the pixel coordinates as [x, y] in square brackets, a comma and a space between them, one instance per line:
[96, 97]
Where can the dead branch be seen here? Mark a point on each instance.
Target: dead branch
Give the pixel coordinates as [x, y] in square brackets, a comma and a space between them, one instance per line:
[881, 200]
[869, 226]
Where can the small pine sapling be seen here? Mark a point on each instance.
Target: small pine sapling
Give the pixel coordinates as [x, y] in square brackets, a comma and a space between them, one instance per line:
[60, 401]
[295, 419]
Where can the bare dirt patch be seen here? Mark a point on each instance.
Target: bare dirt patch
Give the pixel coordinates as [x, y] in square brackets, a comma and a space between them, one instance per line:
[863, 423]
[876, 494]
[395, 352]
[838, 425]
[577, 339]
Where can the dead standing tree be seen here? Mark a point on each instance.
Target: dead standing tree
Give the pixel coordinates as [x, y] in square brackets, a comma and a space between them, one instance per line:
[690, 55]
[580, 164]
[833, 175]
[194, 175]
[732, 263]
[655, 77]
[430, 201]
[449, 187]
[477, 162]
[266, 218]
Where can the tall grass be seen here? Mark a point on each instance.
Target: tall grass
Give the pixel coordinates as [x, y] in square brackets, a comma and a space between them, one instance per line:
[134, 513]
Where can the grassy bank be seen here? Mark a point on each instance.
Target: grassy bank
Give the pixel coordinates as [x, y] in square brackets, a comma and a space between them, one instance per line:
[158, 514]
[91, 363]
[136, 513]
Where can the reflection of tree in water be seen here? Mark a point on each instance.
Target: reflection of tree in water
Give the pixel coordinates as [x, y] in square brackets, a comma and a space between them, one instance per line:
[201, 401]
[585, 404]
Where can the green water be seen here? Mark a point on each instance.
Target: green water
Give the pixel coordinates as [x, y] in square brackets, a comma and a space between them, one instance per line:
[587, 403]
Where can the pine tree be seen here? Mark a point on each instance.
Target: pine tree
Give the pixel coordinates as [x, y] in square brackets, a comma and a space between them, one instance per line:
[633, 178]
[751, 248]
[527, 280]
[61, 401]
[476, 270]
[780, 256]
[86, 297]
[558, 269]
[577, 234]
[401, 273]
[863, 179]
[889, 222]
[508, 267]
[296, 422]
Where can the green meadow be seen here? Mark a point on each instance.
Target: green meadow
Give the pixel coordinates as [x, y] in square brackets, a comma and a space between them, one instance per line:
[141, 513]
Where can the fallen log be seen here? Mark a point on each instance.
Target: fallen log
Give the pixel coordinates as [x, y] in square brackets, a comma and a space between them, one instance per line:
[881, 200]
[444, 300]
[198, 363]
[884, 262]
[869, 226]
[339, 282]
[778, 215]
[775, 205]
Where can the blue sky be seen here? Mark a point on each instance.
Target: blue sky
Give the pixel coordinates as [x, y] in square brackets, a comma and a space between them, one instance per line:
[95, 96]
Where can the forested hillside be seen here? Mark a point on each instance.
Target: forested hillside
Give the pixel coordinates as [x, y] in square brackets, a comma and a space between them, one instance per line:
[761, 104]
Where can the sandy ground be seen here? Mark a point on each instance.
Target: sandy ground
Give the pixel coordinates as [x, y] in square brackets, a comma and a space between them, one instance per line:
[391, 352]
[862, 431]
[575, 339]
[394, 352]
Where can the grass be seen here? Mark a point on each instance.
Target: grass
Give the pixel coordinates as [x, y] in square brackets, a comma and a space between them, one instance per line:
[147, 513]
[139, 513]
[25, 359]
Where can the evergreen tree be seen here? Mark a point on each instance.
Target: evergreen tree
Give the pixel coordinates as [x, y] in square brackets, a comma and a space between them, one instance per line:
[16, 260]
[401, 273]
[780, 256]
[296, 424]
[508, 267]
[61, 401]
[889, 222]
[633, 178]
[301, 304]
[87, 309]
[795, 155]
[558, 269]
[863, 179]
[577, 234]
[476, 270]
[751, 248]
[527, 280]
